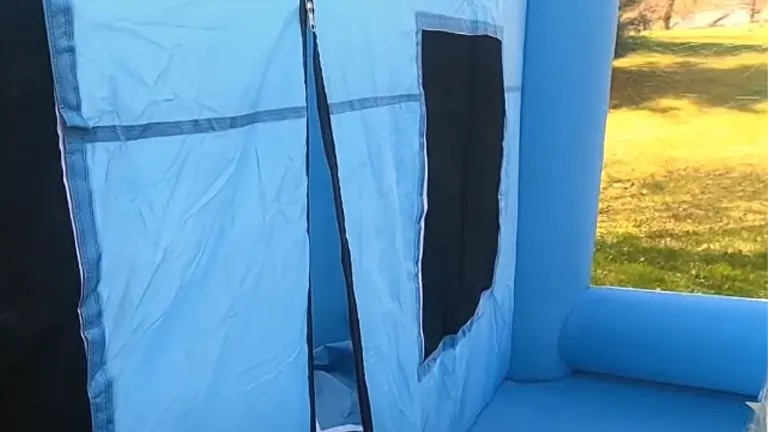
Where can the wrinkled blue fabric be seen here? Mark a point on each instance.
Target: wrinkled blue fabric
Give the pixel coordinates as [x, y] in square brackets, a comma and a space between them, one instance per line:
[142, 61]
[204, 275]
[184, 124]
[193, 242]
[381, 168]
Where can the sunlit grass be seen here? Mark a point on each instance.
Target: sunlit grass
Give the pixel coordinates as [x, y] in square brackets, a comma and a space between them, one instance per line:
[684, 195]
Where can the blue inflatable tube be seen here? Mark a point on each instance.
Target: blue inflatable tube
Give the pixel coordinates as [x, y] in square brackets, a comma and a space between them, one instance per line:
[708, 342]
[565, 95]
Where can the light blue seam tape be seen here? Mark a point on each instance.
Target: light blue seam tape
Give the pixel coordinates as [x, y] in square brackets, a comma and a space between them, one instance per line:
[372, 102]
[421, 199]
[428, 21]
[116, 133]
[89, 254]
[218, 124]
[61, 40]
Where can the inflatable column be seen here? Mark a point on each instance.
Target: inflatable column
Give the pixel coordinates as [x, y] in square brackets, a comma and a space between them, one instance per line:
[565, 95]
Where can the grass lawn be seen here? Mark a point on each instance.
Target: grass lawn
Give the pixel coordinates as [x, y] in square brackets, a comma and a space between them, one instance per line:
[685, 192]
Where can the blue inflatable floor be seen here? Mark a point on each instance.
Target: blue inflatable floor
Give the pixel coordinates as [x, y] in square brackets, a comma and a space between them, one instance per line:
[589, 403]
[580, 403]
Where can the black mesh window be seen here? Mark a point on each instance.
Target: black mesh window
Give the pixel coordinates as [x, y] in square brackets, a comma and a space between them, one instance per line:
[464, 91]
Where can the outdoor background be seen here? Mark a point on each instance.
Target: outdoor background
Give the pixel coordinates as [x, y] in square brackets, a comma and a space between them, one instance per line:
[684, 193]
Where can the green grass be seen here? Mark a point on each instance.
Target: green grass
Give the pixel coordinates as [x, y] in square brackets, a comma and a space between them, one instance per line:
[684, 193]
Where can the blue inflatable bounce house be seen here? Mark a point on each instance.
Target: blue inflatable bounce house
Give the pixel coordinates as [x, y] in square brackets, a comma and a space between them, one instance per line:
[337, 215]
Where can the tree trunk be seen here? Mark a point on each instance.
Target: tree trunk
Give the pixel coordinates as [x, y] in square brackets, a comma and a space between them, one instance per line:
[669, 7]
[753, 11]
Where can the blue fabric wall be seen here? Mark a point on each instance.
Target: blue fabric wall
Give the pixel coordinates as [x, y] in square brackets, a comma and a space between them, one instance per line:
[373, 85]
[185, 148]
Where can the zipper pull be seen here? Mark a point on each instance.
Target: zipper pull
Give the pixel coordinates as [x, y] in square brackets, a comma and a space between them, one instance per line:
[310, 5]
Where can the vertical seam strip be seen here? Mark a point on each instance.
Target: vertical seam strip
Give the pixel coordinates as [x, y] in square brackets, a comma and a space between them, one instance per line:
[61, 40]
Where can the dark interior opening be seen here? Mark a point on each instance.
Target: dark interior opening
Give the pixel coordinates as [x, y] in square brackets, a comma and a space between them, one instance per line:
[338, 388]
[463, 86]
[42, 356]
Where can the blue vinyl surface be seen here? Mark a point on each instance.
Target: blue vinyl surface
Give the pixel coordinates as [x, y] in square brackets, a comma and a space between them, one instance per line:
[594, 403]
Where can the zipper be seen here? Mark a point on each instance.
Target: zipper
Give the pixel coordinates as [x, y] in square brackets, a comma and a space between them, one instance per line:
[313, 66]
[309, 5]
[308, 19]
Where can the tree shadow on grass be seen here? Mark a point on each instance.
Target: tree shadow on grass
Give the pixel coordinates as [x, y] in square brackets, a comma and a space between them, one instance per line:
[648, 45]
[629, 260]
[643, 86]
[686, 230]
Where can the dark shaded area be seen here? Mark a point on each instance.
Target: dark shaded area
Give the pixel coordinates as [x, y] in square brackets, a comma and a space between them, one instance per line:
[651, 266]
[641, 86]
[645, 45]
[464, 93]
[315, 87]
[695, 230]
[628, 247]
[42, 358]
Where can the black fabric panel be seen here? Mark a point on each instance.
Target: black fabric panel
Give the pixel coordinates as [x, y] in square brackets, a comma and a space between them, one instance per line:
[464, 93]
[42, 355]
[482, 177]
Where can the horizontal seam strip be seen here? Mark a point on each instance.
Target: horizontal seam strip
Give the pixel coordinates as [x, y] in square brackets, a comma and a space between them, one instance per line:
[115, 133]
[436, 22]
